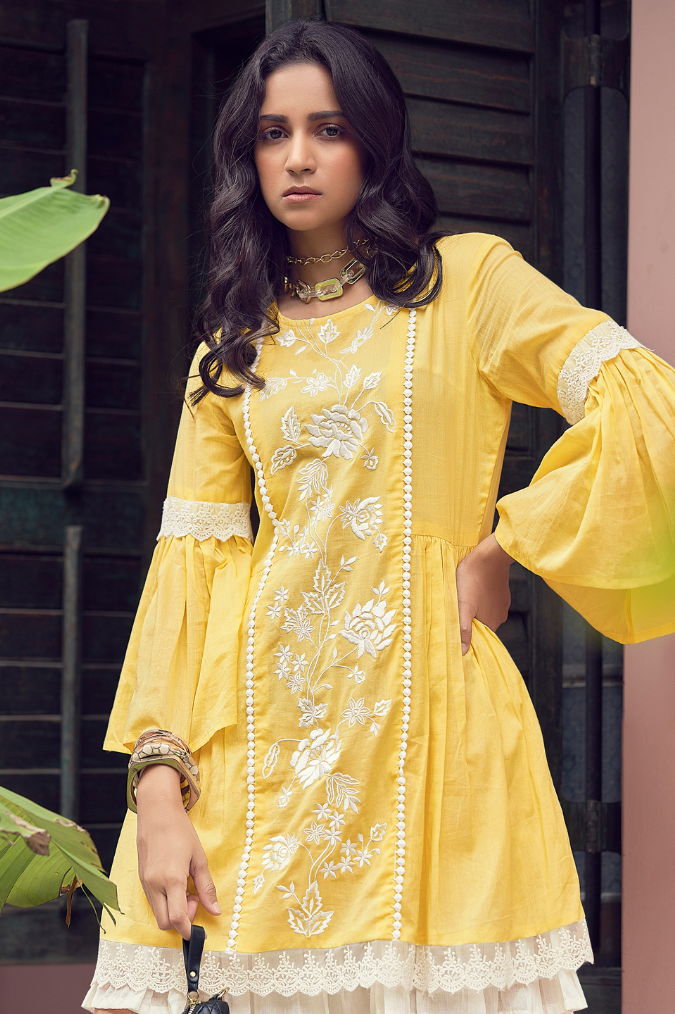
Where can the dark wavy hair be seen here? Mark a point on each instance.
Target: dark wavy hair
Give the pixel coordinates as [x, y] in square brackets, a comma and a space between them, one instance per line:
[394, 210]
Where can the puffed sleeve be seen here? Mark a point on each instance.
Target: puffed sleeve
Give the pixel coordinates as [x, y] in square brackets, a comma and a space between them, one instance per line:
[180, 670]
[597, 522]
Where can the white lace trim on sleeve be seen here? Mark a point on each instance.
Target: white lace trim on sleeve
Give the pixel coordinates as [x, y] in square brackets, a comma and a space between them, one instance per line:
[203, 520]
[583, 364]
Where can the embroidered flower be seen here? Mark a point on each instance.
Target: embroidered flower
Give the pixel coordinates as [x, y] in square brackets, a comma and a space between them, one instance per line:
[357, 674]
[315, 832]
[345, 864]
[363, 517]
[336, 820]
[317, 382]
[370, 459]
[329, 870]
[369, 627]
[322, 811]
[340, 431]
[295, 682]
[278, 853]
[349, 849]
[356, 712]
[281, 594]
[315, 756]
[322, 508]
[287, 339]
[274, 610]
[284, 798]
[332, 836]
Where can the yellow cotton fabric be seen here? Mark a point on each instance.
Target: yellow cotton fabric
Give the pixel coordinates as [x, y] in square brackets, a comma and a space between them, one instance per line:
[487, 856]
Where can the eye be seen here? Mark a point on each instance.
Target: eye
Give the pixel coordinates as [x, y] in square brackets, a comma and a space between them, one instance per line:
[333, 130]
[272, 134]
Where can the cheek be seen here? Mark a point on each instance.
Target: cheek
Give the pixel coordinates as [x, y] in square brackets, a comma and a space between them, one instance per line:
[348, 174]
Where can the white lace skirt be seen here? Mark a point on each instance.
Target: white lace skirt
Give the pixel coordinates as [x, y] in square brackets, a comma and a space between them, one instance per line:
[535, 975]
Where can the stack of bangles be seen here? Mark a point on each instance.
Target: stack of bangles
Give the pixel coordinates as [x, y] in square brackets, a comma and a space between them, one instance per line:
[157, 746]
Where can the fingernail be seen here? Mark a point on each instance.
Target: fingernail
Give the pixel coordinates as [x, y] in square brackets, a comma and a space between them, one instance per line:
[217, 909]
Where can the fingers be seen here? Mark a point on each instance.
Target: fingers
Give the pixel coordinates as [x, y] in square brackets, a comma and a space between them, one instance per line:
[204, 885]
[177, 905]
[467, 613]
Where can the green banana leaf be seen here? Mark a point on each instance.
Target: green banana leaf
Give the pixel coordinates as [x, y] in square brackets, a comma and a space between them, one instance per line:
[41, 853]
[42, 225]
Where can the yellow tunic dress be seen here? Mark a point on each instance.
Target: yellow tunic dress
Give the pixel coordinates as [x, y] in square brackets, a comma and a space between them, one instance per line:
[377, 810]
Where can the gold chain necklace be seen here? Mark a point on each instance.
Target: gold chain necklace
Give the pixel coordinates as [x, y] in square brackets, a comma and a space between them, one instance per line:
[324, 258]
[329, 288]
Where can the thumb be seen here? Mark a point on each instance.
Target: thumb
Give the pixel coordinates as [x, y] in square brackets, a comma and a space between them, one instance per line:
[205, 887]
[466, 615]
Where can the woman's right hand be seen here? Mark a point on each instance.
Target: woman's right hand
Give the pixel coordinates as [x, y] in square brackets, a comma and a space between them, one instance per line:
[169, 851]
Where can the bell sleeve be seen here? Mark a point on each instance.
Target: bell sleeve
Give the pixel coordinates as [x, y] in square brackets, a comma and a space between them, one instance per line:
[180, 670]
[597, 522]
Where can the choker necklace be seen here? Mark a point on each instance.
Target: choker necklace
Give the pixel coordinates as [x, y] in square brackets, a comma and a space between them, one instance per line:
[329, 288]
[324, 258]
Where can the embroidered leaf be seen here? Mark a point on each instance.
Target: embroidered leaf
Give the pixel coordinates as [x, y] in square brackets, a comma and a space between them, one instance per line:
[319, 924]
[258, 882]
[334, 597]
[322, 577]
[290, 426]
[282, 457]
[312, 903]
[381, 708]
[352, 376]
[386, 415]
[272, 386]
[377, 832]
[314, 602]
[371, 381]
[296, 921]
[271, 758]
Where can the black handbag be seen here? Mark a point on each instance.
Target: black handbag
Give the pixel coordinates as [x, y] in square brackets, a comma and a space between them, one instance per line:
[192, 954]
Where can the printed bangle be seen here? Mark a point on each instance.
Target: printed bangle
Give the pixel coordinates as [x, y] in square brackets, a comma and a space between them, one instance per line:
[157, 746]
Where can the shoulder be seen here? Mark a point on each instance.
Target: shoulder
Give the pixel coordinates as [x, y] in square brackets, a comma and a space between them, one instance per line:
[465, 251]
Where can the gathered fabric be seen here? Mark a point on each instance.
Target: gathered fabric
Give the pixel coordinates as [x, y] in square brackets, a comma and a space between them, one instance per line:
[364, 784]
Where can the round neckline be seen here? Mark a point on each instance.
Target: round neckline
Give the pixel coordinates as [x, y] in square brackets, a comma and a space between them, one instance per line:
[329, 316]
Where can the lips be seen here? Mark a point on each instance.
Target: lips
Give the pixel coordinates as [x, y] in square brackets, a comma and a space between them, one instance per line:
[299, 195]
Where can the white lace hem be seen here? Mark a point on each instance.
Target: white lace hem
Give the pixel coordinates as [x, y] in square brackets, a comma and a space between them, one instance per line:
[127, 971]
[203, 520]
[583, 364]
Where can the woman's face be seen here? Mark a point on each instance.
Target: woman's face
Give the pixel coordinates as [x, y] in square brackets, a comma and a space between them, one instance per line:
[308, 160]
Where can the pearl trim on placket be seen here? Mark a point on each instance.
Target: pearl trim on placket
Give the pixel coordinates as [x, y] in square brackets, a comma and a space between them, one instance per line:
[250, 642]
[399, 861]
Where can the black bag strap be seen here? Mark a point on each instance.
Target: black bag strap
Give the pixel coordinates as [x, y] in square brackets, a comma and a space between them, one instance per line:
[192, 955]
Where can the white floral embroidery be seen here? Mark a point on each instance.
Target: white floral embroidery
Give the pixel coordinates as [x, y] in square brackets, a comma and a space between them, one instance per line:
[315, 756]
[370, 626]
[340, 431]
[318, 618]
[278, 853]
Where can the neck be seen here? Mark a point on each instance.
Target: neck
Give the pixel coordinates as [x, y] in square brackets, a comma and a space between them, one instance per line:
[315, 244]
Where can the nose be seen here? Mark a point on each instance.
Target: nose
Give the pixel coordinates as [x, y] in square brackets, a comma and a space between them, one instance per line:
[300, 157]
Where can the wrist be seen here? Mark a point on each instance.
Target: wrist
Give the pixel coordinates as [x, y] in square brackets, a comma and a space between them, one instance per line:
[159, 783]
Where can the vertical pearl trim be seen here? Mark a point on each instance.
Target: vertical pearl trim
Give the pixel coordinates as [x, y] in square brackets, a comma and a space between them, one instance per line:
[250, 644]
[399, 860]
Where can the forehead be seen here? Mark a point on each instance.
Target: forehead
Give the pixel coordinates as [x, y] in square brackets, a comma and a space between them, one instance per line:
[298, 89]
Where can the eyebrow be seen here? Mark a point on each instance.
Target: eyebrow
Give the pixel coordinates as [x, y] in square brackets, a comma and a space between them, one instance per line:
[323, 115]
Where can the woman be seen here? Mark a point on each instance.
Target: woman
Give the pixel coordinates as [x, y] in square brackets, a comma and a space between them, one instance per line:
[377, 828]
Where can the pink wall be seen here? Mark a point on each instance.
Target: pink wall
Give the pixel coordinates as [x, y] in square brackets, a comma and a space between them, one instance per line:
[649, 723]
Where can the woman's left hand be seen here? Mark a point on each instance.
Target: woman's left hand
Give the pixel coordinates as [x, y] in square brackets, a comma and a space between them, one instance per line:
[483, 588]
